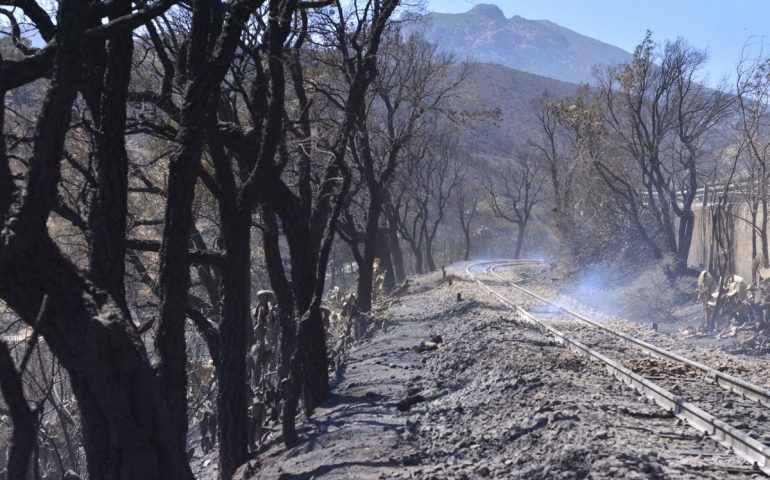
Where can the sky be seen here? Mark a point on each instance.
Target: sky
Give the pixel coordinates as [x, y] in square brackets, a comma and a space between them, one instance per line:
[722, 27]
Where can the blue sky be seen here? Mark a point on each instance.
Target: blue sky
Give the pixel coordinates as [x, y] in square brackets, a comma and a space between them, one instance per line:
[720, 26]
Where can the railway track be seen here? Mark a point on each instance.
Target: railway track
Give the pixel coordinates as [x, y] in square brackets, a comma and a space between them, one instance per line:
[692, 391]
[724, 380]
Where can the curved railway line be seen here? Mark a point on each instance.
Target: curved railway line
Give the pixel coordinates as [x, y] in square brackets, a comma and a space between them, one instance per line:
[730, 410]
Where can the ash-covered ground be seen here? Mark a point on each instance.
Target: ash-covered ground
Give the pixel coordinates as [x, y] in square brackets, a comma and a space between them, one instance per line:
[501, 400]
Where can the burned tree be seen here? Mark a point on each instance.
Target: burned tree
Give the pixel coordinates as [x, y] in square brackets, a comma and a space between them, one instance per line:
[126, 422]
[514, 194]
[413, 84]
[660, 114]
[569, 140]
[434, 175]
[359, 49]
[467, 204]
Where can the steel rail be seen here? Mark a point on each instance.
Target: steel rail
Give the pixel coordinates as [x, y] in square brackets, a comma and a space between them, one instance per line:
[742, 444]
[724, 380]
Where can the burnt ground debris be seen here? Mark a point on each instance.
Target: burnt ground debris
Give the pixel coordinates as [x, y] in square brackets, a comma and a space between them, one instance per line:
[500, 400]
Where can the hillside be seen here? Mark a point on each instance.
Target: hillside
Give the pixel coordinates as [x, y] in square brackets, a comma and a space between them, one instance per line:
[514, 93]
[484, 34]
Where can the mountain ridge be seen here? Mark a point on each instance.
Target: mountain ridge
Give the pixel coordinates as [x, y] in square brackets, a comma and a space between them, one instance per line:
[484, 34]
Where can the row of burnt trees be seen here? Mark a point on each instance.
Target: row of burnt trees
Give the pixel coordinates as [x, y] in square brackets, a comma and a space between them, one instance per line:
[403, 152]
[260, 108]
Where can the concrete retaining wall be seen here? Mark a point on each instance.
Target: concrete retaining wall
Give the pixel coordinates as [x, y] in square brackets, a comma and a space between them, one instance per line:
[702, 249]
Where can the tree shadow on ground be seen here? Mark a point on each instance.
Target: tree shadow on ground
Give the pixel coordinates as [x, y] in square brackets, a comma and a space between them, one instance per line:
[324, 469]
[338, 406]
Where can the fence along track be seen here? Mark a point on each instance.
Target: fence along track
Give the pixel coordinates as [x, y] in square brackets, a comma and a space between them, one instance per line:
[743, 445]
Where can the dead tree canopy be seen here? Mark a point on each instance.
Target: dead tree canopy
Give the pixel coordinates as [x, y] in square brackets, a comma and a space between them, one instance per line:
[660, 114]
[409, 94]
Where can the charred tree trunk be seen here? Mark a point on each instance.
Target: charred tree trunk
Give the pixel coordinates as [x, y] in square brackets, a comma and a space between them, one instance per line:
[207, 63]
[429, 256]
[397, 255]
[232, 395]
[174, 277]
[310, 247]
[416, 249]
[686, 226]
[126, 428]
[466, 219]
[315, 375]
[467, 236]
[7, 185]
[384, 254]
[235, 333]
[763, 231]
[519, 240]
[366, 268]
[310, 218]
[108, 213]
[281, 286]
[754, 250]
[294, 383]
[24, 419]
[308, 368]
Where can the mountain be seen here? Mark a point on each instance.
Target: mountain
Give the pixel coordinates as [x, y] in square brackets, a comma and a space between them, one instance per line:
[484, 34]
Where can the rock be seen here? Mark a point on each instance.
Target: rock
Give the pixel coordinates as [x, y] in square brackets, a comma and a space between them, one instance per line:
[426, 346]
[411, 460]
[407, 403]
[483, 471]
